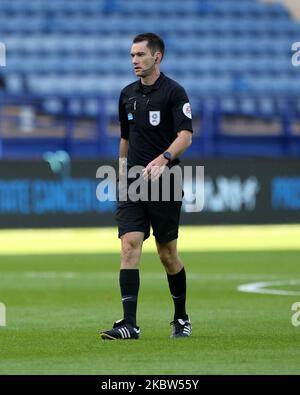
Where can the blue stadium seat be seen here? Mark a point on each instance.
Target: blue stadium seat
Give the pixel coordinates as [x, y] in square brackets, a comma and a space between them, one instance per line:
[228, 45]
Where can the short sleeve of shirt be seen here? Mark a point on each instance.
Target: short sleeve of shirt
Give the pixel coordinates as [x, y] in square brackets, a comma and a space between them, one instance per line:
[181, 109]
[123, 119]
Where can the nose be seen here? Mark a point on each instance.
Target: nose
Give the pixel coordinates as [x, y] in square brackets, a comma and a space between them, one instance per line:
[134, 61]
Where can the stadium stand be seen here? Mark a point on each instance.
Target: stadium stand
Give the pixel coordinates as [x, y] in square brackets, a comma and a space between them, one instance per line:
[231, 51]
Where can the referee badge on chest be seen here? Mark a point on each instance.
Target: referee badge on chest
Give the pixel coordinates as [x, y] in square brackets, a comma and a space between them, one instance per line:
[154, 118]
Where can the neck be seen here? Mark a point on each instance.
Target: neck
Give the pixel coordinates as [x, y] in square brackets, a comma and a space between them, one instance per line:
[150, 79]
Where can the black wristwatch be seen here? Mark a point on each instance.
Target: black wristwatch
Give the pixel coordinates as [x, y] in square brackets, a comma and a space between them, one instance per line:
[167, 155]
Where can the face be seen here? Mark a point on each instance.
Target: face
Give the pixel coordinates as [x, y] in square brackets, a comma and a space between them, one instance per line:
[142, 59]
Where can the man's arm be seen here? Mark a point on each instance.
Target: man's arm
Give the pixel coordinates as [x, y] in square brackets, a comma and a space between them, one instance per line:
[156, 167]
[180, 144]
[123, 151]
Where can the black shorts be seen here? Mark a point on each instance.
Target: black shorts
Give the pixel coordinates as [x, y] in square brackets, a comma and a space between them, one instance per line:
[139, 216]
[163, 216]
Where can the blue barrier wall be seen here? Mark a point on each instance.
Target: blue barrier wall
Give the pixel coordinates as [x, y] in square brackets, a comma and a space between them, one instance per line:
[87, 126]
[236, 191]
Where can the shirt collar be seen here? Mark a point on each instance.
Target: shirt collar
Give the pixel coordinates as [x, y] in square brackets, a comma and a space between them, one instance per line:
[153, 87]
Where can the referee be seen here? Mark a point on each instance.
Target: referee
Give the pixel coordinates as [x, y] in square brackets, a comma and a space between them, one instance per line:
[156, 128]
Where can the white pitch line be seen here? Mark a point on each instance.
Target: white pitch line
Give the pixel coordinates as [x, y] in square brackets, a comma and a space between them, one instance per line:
[260, 288]
[257, 287]
[69, 275]
[145, 275]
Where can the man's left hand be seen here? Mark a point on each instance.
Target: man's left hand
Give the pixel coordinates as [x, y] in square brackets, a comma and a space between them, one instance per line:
[155, 168]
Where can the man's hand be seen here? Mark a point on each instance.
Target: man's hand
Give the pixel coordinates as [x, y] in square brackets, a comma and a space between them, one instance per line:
[155, 168]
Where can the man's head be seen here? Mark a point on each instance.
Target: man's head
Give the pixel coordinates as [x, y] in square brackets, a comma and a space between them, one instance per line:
[147, 52]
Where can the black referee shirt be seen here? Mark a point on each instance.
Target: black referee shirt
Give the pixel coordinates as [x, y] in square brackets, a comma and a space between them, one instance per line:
[151, 116]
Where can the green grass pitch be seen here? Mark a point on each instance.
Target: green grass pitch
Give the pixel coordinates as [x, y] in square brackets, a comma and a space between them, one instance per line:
[60, 286]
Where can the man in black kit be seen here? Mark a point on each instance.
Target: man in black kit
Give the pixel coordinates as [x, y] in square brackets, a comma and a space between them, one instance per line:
[156, 128]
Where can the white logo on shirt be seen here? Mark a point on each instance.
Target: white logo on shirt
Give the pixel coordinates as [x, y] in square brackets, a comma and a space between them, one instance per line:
[187, 110]
[154, 118]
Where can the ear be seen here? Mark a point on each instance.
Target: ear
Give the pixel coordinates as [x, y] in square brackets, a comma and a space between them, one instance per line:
[157, 57]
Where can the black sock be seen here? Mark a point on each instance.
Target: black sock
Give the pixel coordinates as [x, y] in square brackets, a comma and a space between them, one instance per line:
[177, 285]
[129, 284]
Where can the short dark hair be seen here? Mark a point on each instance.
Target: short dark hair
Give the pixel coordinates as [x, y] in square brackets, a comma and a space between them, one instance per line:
[155, 43]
